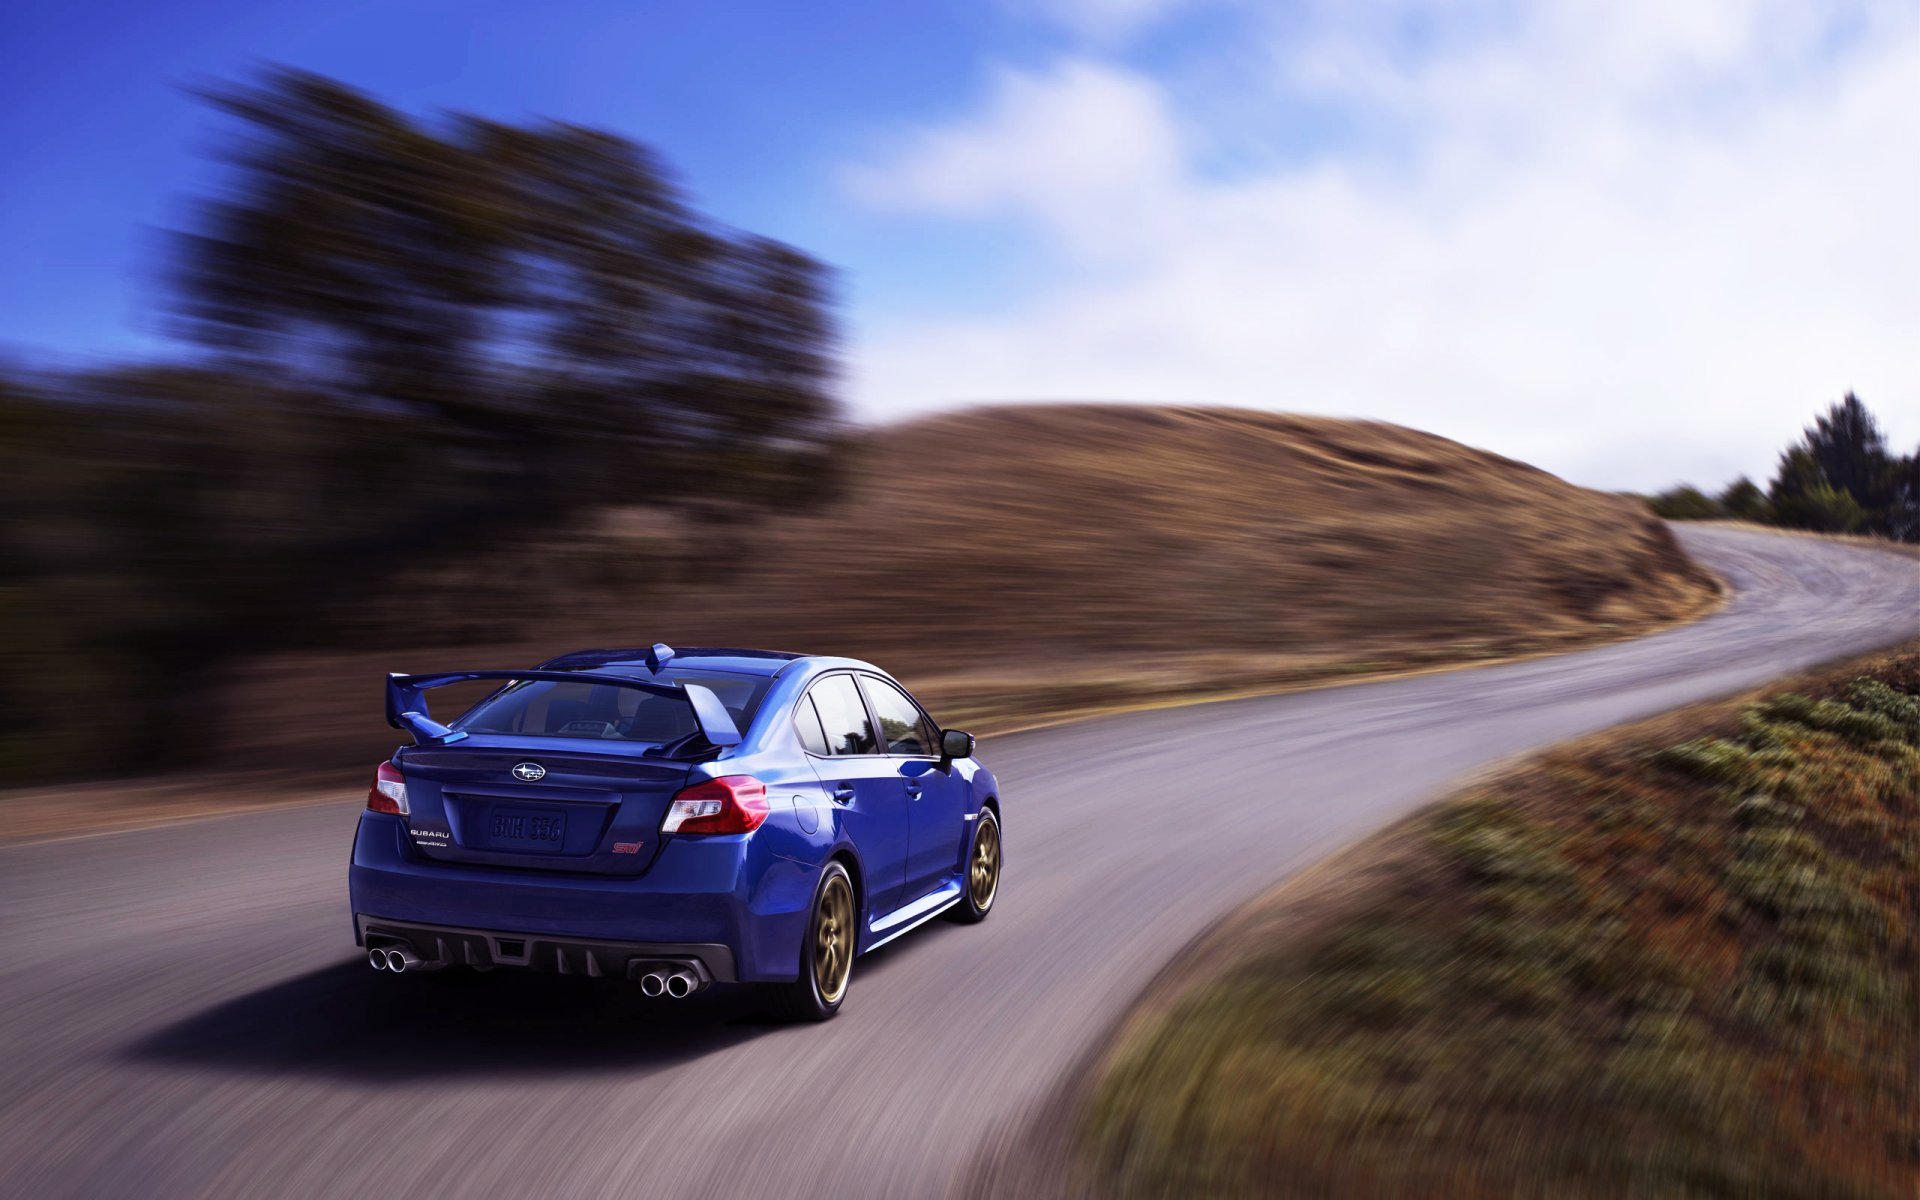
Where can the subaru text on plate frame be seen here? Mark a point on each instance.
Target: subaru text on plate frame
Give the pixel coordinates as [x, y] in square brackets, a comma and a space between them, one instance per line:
[674, 818]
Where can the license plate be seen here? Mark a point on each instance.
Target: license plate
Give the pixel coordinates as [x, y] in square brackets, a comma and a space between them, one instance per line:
[521, 829]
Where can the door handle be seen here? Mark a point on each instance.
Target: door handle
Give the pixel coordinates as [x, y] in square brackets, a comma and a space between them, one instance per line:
[913, 791]
[843, 793]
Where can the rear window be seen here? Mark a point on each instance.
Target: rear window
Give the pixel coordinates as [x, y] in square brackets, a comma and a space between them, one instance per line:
[543, 708]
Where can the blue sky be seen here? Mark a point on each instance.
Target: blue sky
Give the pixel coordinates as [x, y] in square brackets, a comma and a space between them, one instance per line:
[752, 103]
[1630, 241]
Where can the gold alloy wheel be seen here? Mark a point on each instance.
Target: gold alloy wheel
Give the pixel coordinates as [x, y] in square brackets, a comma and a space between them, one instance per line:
[833, 939]
[983, 877]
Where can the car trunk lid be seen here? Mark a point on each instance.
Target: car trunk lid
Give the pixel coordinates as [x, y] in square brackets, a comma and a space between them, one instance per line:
[546, 808]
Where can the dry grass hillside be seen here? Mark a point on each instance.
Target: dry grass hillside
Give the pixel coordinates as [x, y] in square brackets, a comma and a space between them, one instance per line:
[1018, 563]
[1079, 533]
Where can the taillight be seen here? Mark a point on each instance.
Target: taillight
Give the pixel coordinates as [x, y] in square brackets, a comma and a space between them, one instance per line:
[389, 791]
[729, 804]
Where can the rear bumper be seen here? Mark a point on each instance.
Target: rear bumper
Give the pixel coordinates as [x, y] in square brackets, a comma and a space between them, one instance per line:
[446, 945]
[738, 911]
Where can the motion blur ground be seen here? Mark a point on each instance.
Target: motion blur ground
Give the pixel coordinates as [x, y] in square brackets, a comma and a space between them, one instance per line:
[183, 1018]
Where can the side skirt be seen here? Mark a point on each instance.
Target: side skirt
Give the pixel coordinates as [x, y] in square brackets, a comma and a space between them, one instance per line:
[912, 916]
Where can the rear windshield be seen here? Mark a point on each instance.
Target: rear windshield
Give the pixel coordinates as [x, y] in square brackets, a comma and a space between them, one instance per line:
[543, 708]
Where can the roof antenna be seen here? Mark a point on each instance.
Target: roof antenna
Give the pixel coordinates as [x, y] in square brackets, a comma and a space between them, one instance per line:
[659, 656]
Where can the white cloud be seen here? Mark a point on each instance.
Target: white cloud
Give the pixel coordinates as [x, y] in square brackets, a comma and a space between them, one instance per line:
[1628, 241]
[1088, 149]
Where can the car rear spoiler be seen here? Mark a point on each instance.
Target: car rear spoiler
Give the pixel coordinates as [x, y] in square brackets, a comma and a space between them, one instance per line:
[407, 708]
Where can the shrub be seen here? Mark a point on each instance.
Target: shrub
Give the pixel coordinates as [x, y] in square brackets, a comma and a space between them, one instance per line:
[1834, 717]
[1898, 707]
[1744, 501]
[1684, 503]
[1821, 508]
[1708, 758]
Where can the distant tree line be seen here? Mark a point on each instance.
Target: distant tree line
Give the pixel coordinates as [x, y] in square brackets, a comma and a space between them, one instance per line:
[1839, 477]
[401, 341]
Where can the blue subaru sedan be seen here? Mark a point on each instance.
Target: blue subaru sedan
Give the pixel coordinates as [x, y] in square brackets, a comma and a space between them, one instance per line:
[677, 818]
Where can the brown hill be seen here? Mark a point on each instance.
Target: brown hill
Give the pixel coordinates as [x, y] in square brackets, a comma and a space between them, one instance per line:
[1016, 563]
[1090, 531]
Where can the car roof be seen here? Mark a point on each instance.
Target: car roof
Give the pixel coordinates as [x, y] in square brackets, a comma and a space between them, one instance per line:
[712, 658]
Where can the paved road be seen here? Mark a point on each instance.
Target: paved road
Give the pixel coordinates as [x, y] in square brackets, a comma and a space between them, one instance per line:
[182, 1012]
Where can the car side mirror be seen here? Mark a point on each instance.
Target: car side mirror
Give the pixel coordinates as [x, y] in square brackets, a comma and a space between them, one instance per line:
[955, 743]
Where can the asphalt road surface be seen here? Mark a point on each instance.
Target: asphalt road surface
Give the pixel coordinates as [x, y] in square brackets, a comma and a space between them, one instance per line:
[182, 1011]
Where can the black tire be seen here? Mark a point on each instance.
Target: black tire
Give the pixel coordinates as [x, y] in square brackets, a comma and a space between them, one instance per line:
[978, 893]
[834, 920]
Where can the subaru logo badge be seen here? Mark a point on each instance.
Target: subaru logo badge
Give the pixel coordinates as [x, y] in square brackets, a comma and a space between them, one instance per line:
[531, 772]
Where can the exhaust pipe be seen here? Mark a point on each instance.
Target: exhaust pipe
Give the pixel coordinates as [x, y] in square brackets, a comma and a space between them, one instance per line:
[680, 985]
[398, 959]
[653, 983]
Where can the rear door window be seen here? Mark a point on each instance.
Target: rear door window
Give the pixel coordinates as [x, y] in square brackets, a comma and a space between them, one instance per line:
[903, 727]
[843, 716]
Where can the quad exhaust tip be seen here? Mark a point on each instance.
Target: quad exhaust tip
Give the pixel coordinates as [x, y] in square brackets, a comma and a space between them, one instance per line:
[678, 983]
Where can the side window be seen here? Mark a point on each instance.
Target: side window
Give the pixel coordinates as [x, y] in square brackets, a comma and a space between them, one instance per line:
[902, 726]
[843, 718]
[806, 722]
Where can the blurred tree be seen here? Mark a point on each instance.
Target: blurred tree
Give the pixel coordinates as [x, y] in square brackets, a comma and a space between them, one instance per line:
[179, 518]
[1744, 501]
[538, 300]
[32, 448]
[1851, 452]
[1797, 473]
[1904, 521]
[1684, 503]
[417, 342]
[1840, 471]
